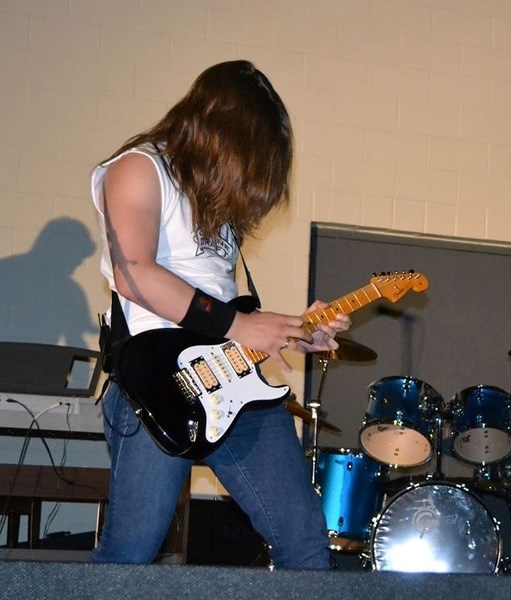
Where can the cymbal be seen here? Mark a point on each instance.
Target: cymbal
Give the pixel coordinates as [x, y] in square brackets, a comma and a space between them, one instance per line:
[348, 350]
[298, 410]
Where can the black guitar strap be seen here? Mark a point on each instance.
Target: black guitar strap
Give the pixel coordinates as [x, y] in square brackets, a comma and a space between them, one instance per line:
[113, 336]
[246, 304]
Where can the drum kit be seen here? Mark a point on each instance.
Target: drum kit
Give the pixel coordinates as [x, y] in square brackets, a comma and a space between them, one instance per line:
[415, 523]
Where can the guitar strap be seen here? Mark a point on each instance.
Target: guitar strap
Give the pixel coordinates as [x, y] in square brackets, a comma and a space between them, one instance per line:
[111, 339]
[246, 304]
[113, 336]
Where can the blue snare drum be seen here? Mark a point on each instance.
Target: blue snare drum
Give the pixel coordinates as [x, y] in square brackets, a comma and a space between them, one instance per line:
[400, 422]
[481, 424]
[351, 488]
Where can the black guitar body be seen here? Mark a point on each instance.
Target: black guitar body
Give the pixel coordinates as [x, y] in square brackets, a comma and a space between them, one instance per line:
[175, 418]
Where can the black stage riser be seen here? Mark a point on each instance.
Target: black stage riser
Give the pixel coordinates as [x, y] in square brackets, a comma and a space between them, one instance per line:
[52, 581]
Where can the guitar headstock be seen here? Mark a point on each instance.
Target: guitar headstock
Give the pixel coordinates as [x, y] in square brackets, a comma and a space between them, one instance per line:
[394, 286]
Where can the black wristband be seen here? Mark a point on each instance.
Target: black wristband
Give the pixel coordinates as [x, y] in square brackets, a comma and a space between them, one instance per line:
[208, 316]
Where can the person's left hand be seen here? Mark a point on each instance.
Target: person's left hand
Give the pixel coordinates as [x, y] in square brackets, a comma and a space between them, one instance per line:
[324, 336]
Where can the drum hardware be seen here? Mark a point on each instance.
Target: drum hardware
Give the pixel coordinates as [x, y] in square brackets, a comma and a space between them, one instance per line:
[298, 410]
[437, 445]
[271, 564]
[347, 350]
[315, 407]
[505, 565]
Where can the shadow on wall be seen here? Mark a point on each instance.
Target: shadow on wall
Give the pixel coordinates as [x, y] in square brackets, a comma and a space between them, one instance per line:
[39, 299]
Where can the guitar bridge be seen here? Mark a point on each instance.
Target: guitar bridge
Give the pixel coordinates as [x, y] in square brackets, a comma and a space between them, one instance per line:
[187, 386]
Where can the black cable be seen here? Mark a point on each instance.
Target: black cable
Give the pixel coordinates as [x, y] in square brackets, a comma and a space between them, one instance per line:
[42, 438]
[45, 444]
[21, 458]
[56, 507]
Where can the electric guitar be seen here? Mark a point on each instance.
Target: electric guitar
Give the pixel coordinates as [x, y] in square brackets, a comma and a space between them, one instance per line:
[188, 389]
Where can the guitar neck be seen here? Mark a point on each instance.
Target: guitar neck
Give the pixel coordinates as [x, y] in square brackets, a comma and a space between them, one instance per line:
[344, 305]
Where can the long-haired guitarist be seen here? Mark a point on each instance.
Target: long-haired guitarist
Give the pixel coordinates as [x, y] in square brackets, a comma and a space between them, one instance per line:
[175, 203]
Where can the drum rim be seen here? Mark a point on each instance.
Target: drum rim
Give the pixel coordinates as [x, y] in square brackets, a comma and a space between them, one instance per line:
[345, 544]
[458, 456]
[344, 451]
[440, 482]
[480, 386]
[407, 378]
[399, 423]
[365, 426]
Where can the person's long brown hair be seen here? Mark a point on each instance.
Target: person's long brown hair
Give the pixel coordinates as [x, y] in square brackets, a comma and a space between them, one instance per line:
[229, 147]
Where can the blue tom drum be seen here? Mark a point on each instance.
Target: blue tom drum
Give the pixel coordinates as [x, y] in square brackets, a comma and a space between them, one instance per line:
[351, 488]
[400, 423]
[481, 424]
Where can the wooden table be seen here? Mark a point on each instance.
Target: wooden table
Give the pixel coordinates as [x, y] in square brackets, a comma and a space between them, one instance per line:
[24, 488]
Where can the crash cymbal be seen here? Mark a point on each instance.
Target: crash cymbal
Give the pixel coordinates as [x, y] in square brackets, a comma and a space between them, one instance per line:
[298, 410]
[348, 350]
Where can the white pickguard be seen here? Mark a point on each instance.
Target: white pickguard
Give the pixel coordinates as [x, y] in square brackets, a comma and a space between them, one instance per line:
[227, 380]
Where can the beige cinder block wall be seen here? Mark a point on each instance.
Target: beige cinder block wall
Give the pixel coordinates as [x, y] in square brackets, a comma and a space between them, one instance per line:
[401, 109]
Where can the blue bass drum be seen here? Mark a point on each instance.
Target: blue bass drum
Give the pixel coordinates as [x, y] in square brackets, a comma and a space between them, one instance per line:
[481, 424]
[400, 423]
[351, 488]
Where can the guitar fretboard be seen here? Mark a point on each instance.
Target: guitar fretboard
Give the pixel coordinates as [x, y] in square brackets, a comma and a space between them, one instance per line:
[344, 305]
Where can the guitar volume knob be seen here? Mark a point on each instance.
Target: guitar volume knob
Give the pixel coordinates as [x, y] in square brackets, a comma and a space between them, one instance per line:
[214, 431]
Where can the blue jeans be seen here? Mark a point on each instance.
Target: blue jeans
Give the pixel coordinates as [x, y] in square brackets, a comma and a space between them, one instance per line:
[261, 464]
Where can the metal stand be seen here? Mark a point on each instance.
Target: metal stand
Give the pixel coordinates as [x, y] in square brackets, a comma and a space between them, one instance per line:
[315, 407]
[437, 446]
[346, 350]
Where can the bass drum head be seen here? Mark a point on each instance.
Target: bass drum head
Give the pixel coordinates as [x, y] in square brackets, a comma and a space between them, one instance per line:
[435, 528]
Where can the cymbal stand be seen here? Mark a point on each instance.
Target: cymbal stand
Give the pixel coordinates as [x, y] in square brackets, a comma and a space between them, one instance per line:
[437, 446]
[315, 407]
